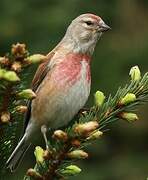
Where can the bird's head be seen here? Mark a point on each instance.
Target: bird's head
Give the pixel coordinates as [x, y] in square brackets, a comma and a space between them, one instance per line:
[85, 30]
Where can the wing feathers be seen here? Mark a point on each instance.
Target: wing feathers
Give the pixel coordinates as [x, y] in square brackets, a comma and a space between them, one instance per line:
[40, 74]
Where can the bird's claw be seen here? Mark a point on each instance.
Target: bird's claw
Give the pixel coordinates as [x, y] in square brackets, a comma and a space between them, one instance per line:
[83, 111]
[44, 132]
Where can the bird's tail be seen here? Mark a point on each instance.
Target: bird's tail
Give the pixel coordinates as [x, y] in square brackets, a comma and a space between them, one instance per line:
[17, 155]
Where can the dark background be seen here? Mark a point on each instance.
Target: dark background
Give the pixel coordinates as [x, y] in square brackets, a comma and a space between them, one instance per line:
[122, 152]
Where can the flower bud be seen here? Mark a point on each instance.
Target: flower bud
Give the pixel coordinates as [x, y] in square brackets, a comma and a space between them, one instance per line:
[128, 98]
[86, 128]
[16, 66]
[27, 94]
[130, 117]
[75, 143]
[36, 58]
[5, 117]
[21, 109]
[47, 154]
[19, 51]
[71, 170]
[9, 75]
[18, 48]
[99, 98]
[135, 73]
[60, 135]
[4, 61]
[32, 173]
[39, 153]
[95, 135]
[77, 154]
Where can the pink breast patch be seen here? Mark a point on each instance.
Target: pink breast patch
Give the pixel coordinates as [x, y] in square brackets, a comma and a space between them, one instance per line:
[68, 71]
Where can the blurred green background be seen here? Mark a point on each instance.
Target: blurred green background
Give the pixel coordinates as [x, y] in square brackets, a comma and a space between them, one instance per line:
[122, 153]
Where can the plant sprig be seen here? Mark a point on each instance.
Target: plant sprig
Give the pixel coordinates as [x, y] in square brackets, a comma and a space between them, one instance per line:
[67, 145]
[13, 96]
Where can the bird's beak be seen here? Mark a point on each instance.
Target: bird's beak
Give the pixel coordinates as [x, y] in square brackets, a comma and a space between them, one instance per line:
[103, 27]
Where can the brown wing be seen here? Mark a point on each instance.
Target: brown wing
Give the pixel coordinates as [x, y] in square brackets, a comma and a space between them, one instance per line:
[38, 78]
[41, 72]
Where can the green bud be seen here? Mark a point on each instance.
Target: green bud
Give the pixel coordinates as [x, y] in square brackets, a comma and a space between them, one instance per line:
[9, 75]
[27, 94]
[130, 117]
[77, 154]
[95, 135]
[135, 73]
[39, 154]
[128, 98]
[36, 58]
[71, 170]
[99, 98]
[2, 72]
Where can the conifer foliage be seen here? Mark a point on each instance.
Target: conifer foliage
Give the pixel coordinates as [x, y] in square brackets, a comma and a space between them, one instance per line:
[67, 145]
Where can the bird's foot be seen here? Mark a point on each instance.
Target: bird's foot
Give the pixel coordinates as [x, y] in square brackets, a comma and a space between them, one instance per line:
[44, 132]
[83, 111]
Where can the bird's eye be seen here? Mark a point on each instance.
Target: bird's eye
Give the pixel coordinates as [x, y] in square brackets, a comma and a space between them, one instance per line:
[89, 23]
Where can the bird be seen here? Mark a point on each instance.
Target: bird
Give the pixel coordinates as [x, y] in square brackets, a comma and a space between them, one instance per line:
[62, 83]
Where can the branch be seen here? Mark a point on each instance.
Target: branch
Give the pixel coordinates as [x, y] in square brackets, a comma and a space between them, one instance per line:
[67, 145]
[13, 96]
